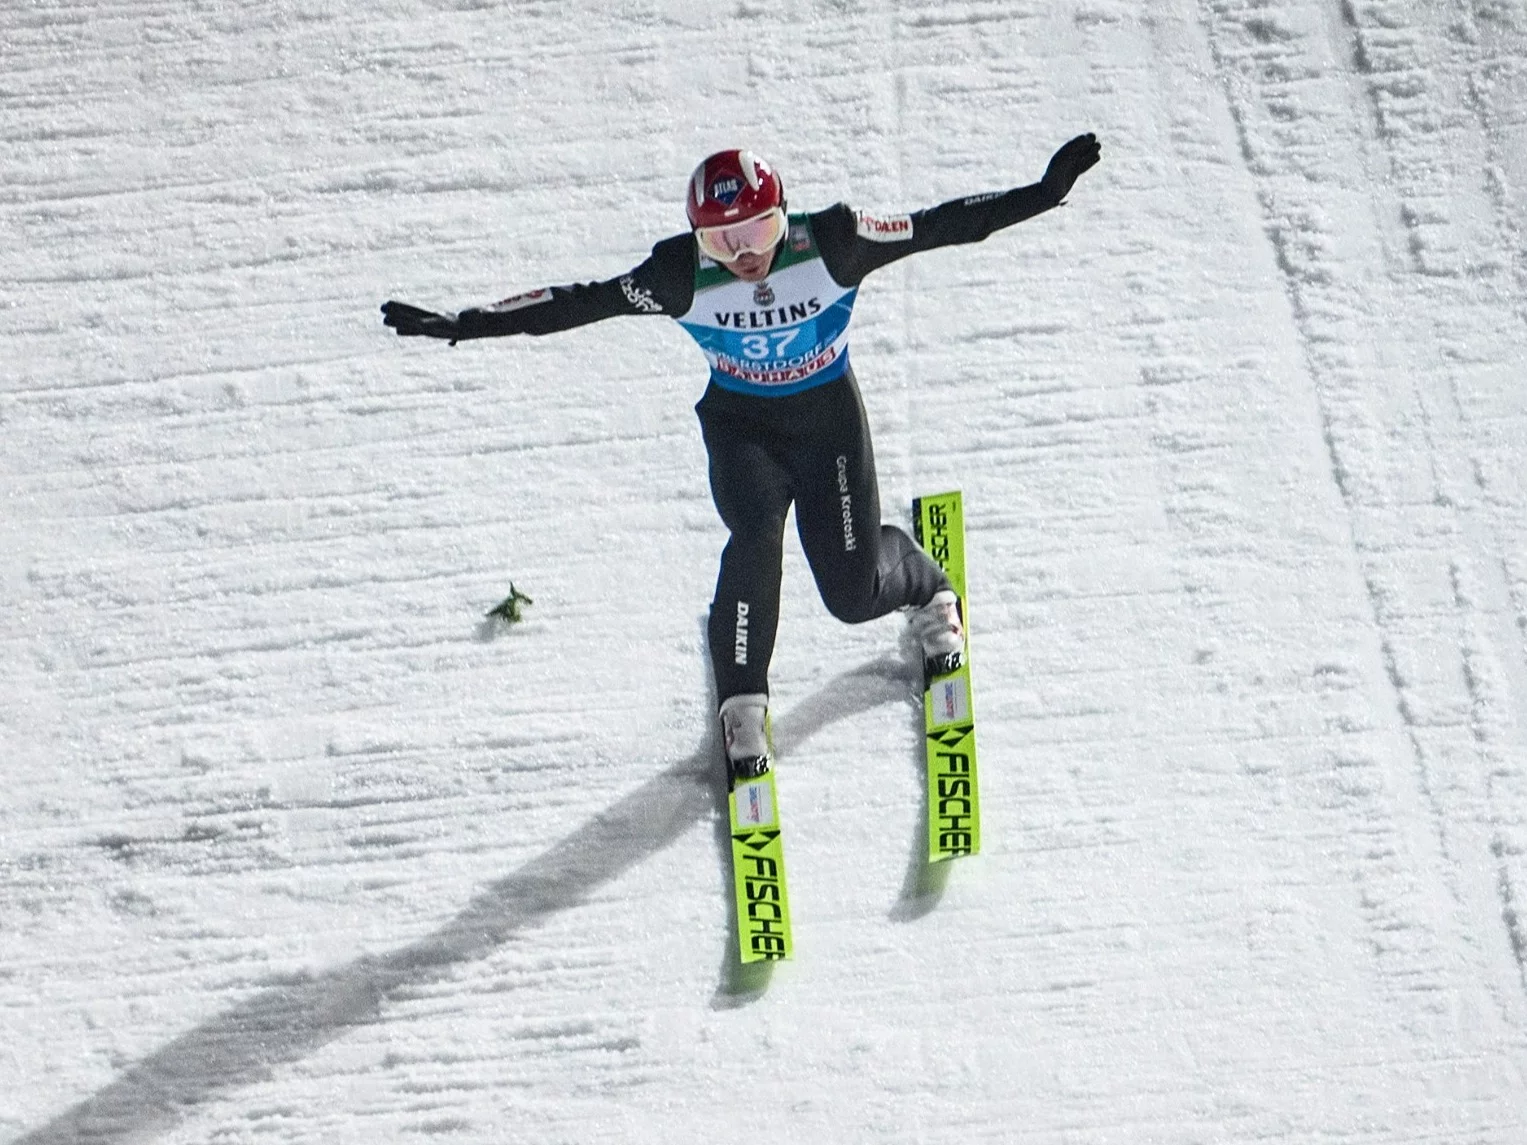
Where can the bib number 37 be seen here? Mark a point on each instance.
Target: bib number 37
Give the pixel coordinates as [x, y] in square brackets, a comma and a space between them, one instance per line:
[761, 346]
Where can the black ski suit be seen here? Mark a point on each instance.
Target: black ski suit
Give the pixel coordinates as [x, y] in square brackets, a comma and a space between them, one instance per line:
[782, 417]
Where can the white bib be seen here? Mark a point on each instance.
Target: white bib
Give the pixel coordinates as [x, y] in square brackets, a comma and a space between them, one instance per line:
[785, 334]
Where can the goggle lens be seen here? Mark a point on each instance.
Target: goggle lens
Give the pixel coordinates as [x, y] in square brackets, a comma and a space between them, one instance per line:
[758, 235]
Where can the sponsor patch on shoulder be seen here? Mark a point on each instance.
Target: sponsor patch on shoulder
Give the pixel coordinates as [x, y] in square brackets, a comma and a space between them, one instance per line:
[883, 228]
[520, 301]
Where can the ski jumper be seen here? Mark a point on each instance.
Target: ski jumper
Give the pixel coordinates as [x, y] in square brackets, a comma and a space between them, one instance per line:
[782, 417]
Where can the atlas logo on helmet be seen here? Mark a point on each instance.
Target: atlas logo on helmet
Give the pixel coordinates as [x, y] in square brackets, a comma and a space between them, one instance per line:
[725, 190]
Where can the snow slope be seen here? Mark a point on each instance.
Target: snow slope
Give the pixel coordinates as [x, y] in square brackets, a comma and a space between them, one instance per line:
[295, 850]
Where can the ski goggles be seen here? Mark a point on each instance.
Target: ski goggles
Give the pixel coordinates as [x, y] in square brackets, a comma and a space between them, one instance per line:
[758, 235]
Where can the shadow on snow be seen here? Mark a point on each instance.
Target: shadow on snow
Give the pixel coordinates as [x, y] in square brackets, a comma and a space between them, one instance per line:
[287, 1022]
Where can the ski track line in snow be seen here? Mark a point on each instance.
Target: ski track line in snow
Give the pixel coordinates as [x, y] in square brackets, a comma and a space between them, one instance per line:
[1496, 38]
[1448, 214]
[1449, 534]
[283, 1023]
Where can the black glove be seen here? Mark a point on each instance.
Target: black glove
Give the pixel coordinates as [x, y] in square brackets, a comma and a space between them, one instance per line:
[410, 320]
[1068, 163]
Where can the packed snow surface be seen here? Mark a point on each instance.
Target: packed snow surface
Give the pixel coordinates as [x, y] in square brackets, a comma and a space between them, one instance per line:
[296, 849]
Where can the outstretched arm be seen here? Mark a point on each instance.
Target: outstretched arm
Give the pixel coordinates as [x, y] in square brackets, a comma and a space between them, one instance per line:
[662, 284]
[854, 243]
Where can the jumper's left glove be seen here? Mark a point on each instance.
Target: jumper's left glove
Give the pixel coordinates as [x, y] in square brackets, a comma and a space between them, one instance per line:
[411, 320]
[1067, 165]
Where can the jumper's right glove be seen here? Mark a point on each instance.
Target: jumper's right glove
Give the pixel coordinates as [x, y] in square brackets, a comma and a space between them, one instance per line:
[411, 320]
[1066, 166]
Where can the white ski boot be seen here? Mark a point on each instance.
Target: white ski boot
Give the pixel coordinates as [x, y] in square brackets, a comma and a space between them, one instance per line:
[745, 733]
[940, 630]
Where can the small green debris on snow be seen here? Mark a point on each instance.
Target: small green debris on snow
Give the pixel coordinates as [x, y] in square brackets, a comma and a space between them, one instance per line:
[508, 609]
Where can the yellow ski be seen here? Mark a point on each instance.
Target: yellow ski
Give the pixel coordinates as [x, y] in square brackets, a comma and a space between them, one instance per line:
[758, 871]
[949, 717]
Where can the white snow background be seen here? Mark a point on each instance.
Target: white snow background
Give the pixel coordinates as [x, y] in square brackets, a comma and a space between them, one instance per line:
[295, 850]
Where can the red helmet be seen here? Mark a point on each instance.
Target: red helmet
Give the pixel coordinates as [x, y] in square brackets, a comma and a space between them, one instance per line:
[731, 186]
